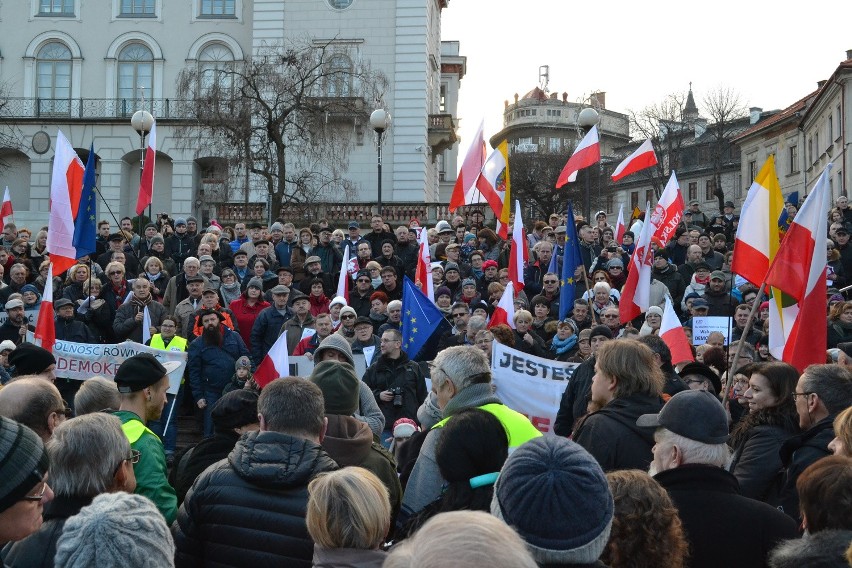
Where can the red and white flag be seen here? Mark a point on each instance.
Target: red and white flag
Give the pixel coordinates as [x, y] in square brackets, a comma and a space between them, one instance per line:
[275, 364]
[587, 153]
[798, 271]
[519, 255]
[636, 294]
[643, 157]
[464, 190]
[6, 209]
[146, 184]
[45, 330]
[66, 184]
[620, 229]
[668, 213]
[343, 278]
[671, 332]
[504, 312]
[423, 272]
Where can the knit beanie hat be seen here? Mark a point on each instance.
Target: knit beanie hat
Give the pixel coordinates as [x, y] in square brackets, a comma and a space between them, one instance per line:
[555, 495]
[256, 283]
[23, 461]
[242, 363]
[601, 330]
[339, 385]
[117, 529]
[338, 343]
[348, 310]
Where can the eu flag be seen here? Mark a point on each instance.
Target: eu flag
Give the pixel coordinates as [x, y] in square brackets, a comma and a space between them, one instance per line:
[571, 259]
[420, 318]
[84, 224]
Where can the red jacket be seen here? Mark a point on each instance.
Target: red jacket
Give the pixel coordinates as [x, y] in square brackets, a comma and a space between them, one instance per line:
[245, 315]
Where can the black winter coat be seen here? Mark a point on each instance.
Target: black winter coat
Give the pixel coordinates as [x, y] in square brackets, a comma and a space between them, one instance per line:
[198, 458]
[612, 436]
[74, 330]
[824, 549]
[402, 373]
[575, 399]
[757, 461]
[249, 509]
[723, 527]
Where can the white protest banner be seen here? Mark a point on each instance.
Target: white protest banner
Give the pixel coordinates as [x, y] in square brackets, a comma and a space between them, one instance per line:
[530, 385]
[81, 361]
[31, 315]
[704, 326]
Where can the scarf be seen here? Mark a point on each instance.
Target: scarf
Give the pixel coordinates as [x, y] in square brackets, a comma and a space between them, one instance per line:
[120, 293]
[153, 277]
[560, 346]
[136, 301]
[230, 292]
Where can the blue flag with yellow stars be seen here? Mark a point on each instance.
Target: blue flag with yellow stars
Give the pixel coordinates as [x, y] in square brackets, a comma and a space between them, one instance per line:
[784, 220]
[420, 318]
[571, 259]
[84, 225]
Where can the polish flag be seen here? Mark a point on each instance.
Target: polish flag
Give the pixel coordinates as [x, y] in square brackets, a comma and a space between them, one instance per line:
[519, 254]
[671, 332]
[45, 325]
[493, 184]
[757, 234]
[636, 294]
[668, 213]
[505, 310]
[343, 278]
[620, 229]
[146, 184]
[5, 209]
[798, 272]
[464, 190]
[423, 272]
[275, 364]
[587, 153]
[66, 185]
[643, 157]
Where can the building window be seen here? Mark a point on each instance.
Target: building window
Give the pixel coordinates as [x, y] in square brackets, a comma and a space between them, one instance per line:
[794, 159]
[53, 79]
[442, 102]
[839, 122]
[816, 145]
[135, 74]
[634, 200]
[693, 190]
[56, 8]
[215, 68]
[709, 188]
[840, 183]
[810, 151]
[218, 8]
[555, 144]
[610, 204]
[339, 4]
[338, 76]
[752, 170]
[649, 195]
[137, 9]
[830, 129]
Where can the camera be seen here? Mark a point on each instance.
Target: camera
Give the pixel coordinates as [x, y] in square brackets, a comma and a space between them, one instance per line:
[612, 248]
[397, 395]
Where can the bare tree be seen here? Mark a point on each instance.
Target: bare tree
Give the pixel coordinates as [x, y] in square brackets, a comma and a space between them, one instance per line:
[11, 137]
[534, 174]
[285, 119]
[724, 108]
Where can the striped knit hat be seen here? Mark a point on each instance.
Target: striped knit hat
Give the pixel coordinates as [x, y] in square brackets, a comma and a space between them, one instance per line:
[23, 461]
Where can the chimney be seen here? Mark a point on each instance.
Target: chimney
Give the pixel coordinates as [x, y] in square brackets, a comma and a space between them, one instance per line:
[820, 84]
[554, 96]
[849, 54]
[754, 114]
[564, 97]
[506, 104]
[600, 97]
[516, 98]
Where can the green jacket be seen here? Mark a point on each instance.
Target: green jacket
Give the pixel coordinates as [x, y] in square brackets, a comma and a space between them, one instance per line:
[151, 471]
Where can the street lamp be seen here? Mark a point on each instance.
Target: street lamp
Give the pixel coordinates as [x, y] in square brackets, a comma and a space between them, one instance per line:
[587, 118]
[142, 122]
[380, 120]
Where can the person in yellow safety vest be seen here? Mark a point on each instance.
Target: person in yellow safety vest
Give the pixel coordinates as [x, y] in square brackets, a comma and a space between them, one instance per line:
[167, 340]
[142, 384]
[461, 379]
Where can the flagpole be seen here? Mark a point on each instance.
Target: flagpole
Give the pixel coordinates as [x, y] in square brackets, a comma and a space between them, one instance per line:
[746, 329]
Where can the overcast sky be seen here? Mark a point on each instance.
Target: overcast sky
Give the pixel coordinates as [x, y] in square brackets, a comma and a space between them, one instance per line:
[638, 52]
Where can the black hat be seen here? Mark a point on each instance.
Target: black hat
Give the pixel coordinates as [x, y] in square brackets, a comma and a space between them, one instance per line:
[62, 302]
[116, 237]
[284, 269]
[702, 265]
[261, 242]
[704, 371]
[601, 330]
[841, 231]
[240, 252]
[196, 278]
[29, 359]
[236, 408]
[24, 461]
[694, 414]
[729, 204]
[140, 371]
[362, 320]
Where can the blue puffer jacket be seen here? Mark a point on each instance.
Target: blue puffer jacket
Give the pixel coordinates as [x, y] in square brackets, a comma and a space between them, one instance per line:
[211, 367]
[264, 332]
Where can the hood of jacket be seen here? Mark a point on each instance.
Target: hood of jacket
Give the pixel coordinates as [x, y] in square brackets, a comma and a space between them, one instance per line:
[347, 440]
[626, 410]
[824, 549]
[276, 460]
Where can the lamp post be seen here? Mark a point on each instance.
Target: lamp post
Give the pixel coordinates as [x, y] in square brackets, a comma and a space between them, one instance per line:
[587, 118]
[380, 120]
[142, 121]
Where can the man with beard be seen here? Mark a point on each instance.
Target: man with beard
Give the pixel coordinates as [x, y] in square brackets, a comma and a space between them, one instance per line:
[130, 317]
[15, 327]
[212, 357]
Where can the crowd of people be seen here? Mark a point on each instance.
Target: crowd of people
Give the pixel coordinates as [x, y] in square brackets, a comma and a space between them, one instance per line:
[723, 461]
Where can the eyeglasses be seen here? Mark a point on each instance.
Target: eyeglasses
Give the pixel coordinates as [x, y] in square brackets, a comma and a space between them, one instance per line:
[459, 315]
[551, 281]
[38, 496]
[796, 395]
[167, 324]
[114, 272]
[364, 281]
[347, 317]
[615, 268]
[610, 316]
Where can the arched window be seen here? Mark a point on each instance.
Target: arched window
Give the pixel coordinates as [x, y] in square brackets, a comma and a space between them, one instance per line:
[340, 4]
[215, 64]
[338, 76]
[53, 78]
[135, 73]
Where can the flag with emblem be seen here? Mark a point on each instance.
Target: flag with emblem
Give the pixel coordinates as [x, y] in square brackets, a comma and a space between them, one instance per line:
[420, 318]
[571, 259]
[84, 224]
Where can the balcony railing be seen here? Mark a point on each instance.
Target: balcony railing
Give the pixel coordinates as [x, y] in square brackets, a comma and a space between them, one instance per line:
[23, 108]
[337, 215]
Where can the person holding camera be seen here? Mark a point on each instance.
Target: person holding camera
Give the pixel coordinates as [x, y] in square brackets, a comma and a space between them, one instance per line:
[396, 382]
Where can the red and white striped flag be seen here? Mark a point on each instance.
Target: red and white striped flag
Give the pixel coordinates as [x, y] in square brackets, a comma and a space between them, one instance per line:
[464, 190]
[671, 332]
[504, 312]
[423, 273]
[643, 157]
[636, 294]
[620, 229]
[587, 153]
[6, 209]
[45, 325]
[798, 271]
[146, 184]
[343, 278]
[66, 185]
[275, 364]
[668, 213]
[519, 254]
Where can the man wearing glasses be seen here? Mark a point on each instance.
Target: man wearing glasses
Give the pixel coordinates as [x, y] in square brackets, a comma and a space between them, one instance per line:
[359, 298]
[823, 392]
[142, 384]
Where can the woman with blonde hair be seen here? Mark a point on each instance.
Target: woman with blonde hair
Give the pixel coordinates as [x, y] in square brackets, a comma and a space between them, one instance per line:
[646, 529]
[73, 286]
[348, 517]
[841, 445]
